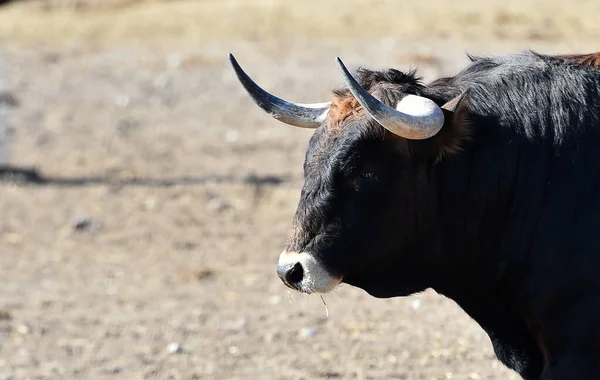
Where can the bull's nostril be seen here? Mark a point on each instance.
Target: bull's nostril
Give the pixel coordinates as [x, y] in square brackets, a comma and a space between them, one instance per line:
[295, 275]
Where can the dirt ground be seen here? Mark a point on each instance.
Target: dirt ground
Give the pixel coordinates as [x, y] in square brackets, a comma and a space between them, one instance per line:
[150, 251]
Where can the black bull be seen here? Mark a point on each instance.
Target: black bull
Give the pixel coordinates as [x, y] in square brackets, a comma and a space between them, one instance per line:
[499, 210]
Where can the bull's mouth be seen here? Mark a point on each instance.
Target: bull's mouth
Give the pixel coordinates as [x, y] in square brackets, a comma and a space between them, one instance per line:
[303, 273]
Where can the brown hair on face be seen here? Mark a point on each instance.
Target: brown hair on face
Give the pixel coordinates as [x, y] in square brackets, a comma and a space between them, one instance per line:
[592, 60]
[343, 105]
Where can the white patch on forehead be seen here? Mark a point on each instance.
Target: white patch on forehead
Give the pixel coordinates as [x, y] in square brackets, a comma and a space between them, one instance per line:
[315, 278]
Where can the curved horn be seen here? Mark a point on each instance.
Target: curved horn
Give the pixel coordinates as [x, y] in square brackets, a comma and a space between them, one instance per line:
[296, 114]
[415, 117]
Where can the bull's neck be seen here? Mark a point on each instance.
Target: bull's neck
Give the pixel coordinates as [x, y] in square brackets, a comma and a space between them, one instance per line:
[471, 212]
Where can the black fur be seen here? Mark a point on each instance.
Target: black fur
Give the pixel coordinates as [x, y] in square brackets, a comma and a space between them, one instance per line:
[509, 227]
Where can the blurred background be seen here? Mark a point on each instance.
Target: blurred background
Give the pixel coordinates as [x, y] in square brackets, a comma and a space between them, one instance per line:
[145, 247]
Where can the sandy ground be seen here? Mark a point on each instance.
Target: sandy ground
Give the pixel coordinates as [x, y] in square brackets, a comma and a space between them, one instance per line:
[151, 251]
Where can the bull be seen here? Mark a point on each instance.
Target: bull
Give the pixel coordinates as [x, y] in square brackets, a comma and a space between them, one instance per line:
[483, 186]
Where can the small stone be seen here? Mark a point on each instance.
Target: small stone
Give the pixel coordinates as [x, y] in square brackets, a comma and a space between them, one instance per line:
[275, 300]
[126, 126]
[416, 304]
[232, 136]
[218, 204]
[174, 61]
[8, 98]
[115, 370]
[233, 350]
[174, 348]
[327, 355]
[269, 337]
[204, 274]
[122, 100]
[85, 224]
[5, 315]
[185, 245]
[23, 330]
[306, 332]
[149, 204]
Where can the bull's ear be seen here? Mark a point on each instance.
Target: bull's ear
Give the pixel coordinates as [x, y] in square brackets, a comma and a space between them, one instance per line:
[456, 129]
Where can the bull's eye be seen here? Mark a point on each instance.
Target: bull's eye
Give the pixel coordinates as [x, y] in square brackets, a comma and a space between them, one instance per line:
[368, 175]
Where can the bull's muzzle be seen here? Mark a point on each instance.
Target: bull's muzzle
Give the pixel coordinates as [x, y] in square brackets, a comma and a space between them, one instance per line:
[302, 272]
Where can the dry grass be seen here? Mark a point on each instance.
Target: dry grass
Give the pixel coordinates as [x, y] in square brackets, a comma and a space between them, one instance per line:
[110, 21]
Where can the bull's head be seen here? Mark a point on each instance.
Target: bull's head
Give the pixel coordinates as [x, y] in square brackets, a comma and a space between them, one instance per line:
[367, 214]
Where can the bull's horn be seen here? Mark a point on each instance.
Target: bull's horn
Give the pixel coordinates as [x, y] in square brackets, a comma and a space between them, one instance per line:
[415, 117]
[296, 114]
